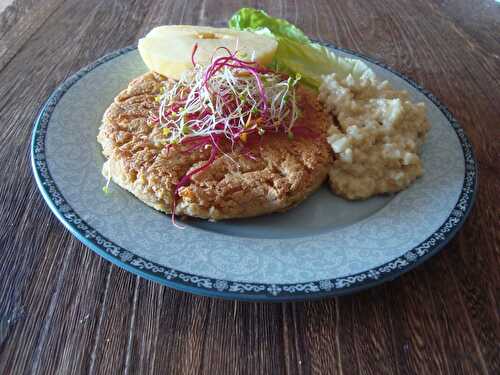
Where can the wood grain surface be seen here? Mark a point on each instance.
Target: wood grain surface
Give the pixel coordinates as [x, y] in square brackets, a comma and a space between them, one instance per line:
[65, 310]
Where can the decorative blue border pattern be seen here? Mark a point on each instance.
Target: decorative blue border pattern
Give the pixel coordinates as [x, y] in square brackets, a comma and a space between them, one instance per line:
[236, 290]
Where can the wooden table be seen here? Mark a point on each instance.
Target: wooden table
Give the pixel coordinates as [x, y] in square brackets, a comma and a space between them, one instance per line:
[65, 310]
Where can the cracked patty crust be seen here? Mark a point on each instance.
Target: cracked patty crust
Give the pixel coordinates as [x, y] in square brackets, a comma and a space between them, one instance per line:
[282, 175]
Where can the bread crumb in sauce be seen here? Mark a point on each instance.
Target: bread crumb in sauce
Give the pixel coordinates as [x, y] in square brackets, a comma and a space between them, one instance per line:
[376, 135]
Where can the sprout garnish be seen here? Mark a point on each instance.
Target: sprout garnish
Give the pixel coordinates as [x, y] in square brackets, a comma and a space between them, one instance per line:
[230, 102]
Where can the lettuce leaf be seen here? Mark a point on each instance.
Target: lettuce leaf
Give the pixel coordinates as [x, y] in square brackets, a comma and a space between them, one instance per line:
[296, 53]
[254, 19]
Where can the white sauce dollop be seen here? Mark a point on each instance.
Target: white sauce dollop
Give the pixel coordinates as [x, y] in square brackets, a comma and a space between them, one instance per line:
[376, 135]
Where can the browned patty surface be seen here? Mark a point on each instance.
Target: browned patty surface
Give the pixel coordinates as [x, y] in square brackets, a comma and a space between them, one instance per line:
[284, 173]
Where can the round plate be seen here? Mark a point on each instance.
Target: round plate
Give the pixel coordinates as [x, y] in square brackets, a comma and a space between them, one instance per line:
[326, 246]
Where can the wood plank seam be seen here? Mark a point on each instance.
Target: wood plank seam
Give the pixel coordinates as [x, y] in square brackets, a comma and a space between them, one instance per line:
[469, 324]
[50, 311]
[3, 64]
[93, 355]
[337, 336]
[131, 332]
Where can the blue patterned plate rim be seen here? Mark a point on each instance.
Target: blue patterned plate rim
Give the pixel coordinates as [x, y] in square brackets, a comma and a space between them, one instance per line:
[126, 259]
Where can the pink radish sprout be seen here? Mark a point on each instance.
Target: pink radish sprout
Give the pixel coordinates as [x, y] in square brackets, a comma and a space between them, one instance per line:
[230, 101]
